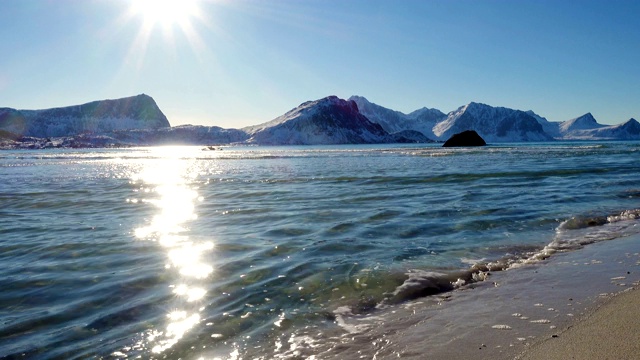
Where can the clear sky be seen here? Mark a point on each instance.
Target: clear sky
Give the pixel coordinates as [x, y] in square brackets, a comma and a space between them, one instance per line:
[233, 63]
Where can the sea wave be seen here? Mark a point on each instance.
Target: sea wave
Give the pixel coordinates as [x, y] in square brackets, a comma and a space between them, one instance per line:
[571, 234]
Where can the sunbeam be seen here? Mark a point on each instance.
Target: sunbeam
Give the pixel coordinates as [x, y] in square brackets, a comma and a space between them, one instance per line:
[169, 17]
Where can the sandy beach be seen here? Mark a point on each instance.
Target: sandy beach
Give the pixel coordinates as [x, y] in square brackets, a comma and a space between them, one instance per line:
[583, 304]
[611, 331]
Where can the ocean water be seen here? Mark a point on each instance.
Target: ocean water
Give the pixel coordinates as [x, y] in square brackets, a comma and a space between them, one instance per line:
[279, 252]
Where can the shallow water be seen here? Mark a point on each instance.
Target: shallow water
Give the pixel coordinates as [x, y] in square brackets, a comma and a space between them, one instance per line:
[263, 252]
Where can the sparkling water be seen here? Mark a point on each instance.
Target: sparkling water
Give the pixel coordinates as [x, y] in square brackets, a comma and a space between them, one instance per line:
[267, 252]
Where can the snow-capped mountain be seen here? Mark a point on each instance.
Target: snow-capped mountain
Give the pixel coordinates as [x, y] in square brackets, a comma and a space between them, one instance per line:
[422, 120]
[570, 128]
[494, 124]
[326, 121]
[550, 127]
[629, 130]
[137, 120]
[427, 115]
[136, 112]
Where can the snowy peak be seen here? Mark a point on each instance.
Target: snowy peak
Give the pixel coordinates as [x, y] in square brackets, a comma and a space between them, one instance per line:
[325, 121]
[137, 120]
[390, 120]
[376, 111]
[480, 110]
[494, 124]
[427, 114]
[306, 109]
[536, 116]
[135, 112]
[630, 127]
[421, 120]
[550, 127]
[584, 122]
[629, 130]
[631, 123]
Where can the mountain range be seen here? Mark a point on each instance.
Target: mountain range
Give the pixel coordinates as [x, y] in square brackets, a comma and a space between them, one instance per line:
[496, 124]
[137, 120]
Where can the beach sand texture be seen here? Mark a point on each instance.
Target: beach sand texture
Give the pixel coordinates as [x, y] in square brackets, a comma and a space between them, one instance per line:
[612, 331]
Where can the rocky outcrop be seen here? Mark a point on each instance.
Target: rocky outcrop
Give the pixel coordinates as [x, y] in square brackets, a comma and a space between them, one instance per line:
[465, 138]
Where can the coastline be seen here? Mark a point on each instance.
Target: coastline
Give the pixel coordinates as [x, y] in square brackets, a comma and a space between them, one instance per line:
[582, 304]
[611, 331]
[521, 313]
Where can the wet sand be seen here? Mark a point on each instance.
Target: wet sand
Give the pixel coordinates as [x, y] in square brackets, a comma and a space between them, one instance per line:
[612, 331]
[575, 305]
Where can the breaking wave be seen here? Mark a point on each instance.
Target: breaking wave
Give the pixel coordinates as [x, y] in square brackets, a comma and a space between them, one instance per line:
[571, 234]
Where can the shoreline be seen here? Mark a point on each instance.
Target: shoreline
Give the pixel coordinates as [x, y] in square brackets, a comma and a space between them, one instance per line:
[610, 331]
[558, 309]
[513, 312]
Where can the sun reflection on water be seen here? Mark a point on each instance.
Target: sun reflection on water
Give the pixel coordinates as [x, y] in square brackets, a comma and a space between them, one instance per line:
[167, 182]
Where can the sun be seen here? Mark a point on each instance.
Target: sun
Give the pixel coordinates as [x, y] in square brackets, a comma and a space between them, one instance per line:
[168, 21]
[166, 12]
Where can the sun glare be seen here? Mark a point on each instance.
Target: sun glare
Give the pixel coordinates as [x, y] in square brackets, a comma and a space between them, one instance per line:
[166, 12]
[168, 19]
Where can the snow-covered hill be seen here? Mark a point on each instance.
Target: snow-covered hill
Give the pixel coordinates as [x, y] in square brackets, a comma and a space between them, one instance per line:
[137, 120]
[422, 120]
[494, 124]
[573, 128]
[136, 112]
[629, 130]
[326, 121]
[550, 127]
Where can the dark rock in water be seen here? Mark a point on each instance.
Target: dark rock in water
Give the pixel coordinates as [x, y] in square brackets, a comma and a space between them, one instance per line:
[465, 138]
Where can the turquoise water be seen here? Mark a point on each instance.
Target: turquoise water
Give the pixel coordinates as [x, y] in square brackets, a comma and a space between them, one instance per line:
[261, 252]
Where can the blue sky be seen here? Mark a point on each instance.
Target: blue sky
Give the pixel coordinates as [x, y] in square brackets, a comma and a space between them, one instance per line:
[242, 62]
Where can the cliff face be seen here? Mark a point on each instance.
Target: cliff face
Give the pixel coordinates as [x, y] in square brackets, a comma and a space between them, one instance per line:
[136, 112]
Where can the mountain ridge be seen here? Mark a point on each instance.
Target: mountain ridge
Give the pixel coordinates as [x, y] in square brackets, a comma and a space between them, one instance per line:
[501, 124]
[329, 120]
[137, 120]
[101, 116]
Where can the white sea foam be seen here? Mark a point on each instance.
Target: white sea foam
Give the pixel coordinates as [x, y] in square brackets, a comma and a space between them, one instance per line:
[501, 327]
